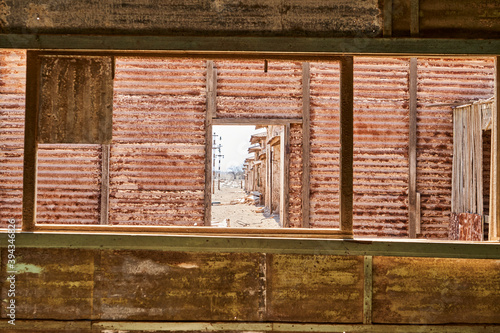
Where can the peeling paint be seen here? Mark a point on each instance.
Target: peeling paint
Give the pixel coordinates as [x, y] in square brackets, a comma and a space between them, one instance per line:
[28, 268]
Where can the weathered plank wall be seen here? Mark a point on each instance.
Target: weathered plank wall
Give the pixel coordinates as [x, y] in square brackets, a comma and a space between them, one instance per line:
[226, 17]
[153, 285]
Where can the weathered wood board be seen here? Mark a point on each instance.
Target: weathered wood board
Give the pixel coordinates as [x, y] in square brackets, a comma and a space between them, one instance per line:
[51, 283]
[76, 99]
[157, 285]
[435, 291]
[310, 288]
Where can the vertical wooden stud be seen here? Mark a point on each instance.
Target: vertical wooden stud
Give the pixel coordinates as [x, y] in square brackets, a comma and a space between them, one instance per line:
[306, 142]
[494, 228]
[368, 290]
[412, 151]
[105, 150]
[30, 141]
[346, 144]
[211, 89]
[285, 175]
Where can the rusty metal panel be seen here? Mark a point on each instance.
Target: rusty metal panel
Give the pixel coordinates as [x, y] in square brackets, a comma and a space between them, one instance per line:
[69, 184]
[466, 227]
[459, 18]
[442, 83]
[76, 95]
[325, 145]
[295, 184]
[157, 285]
[435, 291]
[158, 153]
[52, 283]
[195, 18]
[12, 105]
[312, 288]
[245, 90]
[381, 135]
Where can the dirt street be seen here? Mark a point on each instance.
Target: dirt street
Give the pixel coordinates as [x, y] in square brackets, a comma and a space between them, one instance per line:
[230, 210]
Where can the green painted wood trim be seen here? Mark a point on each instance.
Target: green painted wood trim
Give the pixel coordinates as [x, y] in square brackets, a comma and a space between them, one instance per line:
[403, 248]
[352, 46]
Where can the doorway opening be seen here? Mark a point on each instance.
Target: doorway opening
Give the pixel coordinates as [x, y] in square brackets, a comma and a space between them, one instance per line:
[247, 176]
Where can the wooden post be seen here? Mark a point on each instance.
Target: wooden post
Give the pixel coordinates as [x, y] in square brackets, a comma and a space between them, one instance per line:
[105, 149]
[30, 141]
[211, 88]
[494, 228]
[306, 142]
[285, 175]
[387, 30]
[368, 290]
[412, 152]
[346, 144]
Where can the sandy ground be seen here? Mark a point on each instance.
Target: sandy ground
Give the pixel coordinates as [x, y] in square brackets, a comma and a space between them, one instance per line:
[230, 210]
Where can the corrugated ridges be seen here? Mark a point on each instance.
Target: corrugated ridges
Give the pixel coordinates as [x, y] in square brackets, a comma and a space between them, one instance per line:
[69, 184]
[157, 155]
[244, 90]
[443, 81]
[381, 122]
[324, 157]
[12, 105]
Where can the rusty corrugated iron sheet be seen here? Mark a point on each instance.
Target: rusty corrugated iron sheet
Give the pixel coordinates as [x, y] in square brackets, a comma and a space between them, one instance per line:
[466, 227]
[441, 83]
[157, 154]
[69, 184]
[324, 156]
[12, 105]
[381, 134]
[245, 90]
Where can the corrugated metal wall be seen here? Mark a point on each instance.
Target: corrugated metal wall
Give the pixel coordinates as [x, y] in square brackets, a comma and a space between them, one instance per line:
[12, 104]
[325, 145]
[244, 90]
[69, 184]
[442, 82]
[158, 153]
[381, 130]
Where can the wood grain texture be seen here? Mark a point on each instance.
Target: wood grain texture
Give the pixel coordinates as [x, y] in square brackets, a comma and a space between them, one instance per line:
[52, 283]
[309, 288]
[158, 285]
[435, 291]
[76, 99]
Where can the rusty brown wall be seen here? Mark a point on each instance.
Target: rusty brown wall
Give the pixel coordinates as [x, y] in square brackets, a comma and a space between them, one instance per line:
[12, 103]
[441, 83]
[158, 153]
[276, 178]
[245, 90]
[295, 184]
[147, 285]
[205, 17]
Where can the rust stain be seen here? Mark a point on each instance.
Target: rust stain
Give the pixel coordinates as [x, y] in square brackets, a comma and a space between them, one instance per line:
[315, 288]
[435, 291]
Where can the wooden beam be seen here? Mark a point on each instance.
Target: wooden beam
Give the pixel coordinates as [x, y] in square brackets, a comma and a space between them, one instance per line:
[368, 290]
[412, 151]
[346, 144]
[306, 142]
[285, 176]
[105, 150]
[255, 121]
[414, 18]
[256, 47]
[387, 29]
[494, 227]
[30, 141]
[211, 90]
[285, 327]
